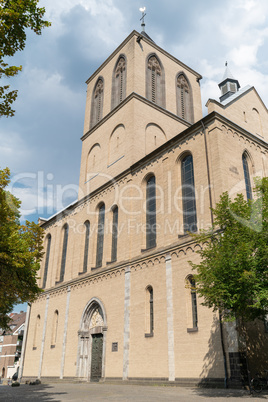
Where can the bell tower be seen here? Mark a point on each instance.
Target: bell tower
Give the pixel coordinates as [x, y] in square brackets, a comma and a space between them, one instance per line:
[135, 103]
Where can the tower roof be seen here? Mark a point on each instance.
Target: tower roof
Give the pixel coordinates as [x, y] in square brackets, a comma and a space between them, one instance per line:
[228, 85]
[227, 74]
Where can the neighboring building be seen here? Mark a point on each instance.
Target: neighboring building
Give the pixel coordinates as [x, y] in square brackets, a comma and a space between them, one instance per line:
[11, 344]
[119, 299]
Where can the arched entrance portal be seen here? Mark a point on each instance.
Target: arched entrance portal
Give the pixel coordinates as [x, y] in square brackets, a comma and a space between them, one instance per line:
[92, 341]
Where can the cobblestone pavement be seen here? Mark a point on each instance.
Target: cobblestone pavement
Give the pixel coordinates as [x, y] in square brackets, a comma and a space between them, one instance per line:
[108, 392]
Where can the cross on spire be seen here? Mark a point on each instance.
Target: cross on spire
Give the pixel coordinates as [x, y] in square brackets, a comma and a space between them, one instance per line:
[142, 10]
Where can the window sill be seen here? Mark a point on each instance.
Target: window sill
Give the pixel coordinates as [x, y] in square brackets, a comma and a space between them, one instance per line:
[149, 335]
[143, 250]
[57, 282]
[94, 268]
[81, 273]
[110, 262]
[195, 329]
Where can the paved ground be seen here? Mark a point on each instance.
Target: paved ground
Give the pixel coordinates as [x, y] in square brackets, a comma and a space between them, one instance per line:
[106, 392]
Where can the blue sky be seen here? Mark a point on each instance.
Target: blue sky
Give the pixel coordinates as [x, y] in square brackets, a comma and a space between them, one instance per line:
[41, 144]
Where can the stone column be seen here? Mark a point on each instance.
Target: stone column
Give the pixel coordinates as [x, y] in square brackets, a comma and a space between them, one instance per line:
[65, 332]
[170, 327]
[43, 339]
[126, 324]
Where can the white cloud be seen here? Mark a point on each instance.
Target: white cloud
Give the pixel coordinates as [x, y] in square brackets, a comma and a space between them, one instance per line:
[44, 134]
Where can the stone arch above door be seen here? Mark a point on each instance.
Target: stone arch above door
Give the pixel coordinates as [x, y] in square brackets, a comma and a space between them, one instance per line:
[93, 324]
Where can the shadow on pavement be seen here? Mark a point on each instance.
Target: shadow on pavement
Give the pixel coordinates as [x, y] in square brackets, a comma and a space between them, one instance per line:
[228, 393]
[29, 393]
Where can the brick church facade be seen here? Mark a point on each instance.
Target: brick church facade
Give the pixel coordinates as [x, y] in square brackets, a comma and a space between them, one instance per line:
[119, 301]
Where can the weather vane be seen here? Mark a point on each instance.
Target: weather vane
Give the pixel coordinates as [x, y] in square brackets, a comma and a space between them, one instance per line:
[142, 10]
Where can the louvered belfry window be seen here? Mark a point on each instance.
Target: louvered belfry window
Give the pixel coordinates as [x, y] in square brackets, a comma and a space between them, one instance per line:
[100, 236]
[155, 82]
[247, 176]
[64, 251]
[97, 103]
[150, 213]
[114, 234]
[47, 260]
[188, 195]
[184, 99]
[119, 82]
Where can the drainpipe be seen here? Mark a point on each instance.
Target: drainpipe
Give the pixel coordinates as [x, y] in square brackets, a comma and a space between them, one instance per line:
[212, 222]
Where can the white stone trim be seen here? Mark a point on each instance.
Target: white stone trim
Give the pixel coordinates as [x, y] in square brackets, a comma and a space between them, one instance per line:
[65, 332]
[43, 339]
[170, 326]
[126, 324]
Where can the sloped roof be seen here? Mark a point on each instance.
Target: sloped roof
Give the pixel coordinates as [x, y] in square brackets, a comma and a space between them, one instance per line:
[236, 95]
[143, 33]
[227, 75]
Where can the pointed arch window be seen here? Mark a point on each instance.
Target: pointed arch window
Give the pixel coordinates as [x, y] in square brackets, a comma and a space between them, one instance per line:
[247, 176]
[149, 311]
[114, 234]
[188, 194]
[193, 303]
[54, 329]
[87, 233]
[47, 260]
[155, 81]
[97, 103]
[64, 251]
[36, 331]
[119, 82]
[100, 236]
[184, 98]
[150, 213]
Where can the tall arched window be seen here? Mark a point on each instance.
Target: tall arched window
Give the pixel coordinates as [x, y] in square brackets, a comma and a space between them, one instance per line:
[155, 81]
[54, 329]
[64, 251]
[184, 98]
[188, 195]
[36, 331]
[150, 213]
[100, 238]
[149, 311]
[119, 82]
[247, 176]
[97, 103]
[193, 301]
[47, 260]
[87, 233]
[114, 234]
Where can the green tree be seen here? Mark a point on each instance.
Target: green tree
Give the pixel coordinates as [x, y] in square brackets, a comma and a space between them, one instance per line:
[20, 253]
[15, 17]
[232, 276]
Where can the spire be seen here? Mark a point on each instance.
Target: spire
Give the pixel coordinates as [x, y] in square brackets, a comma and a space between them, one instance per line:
[228, 85]
[142, 10]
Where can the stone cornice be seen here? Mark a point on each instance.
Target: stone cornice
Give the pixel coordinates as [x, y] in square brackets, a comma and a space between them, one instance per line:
[184, 246]
[131, 96]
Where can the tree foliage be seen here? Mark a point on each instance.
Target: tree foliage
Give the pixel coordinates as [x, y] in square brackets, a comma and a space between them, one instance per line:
[20, 253]
[232, 275]
[15, 17]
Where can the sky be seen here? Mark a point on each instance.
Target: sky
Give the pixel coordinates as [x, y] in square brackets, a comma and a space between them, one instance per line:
[41, 144]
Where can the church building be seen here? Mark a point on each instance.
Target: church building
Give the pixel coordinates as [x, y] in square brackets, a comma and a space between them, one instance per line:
[119, 300]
